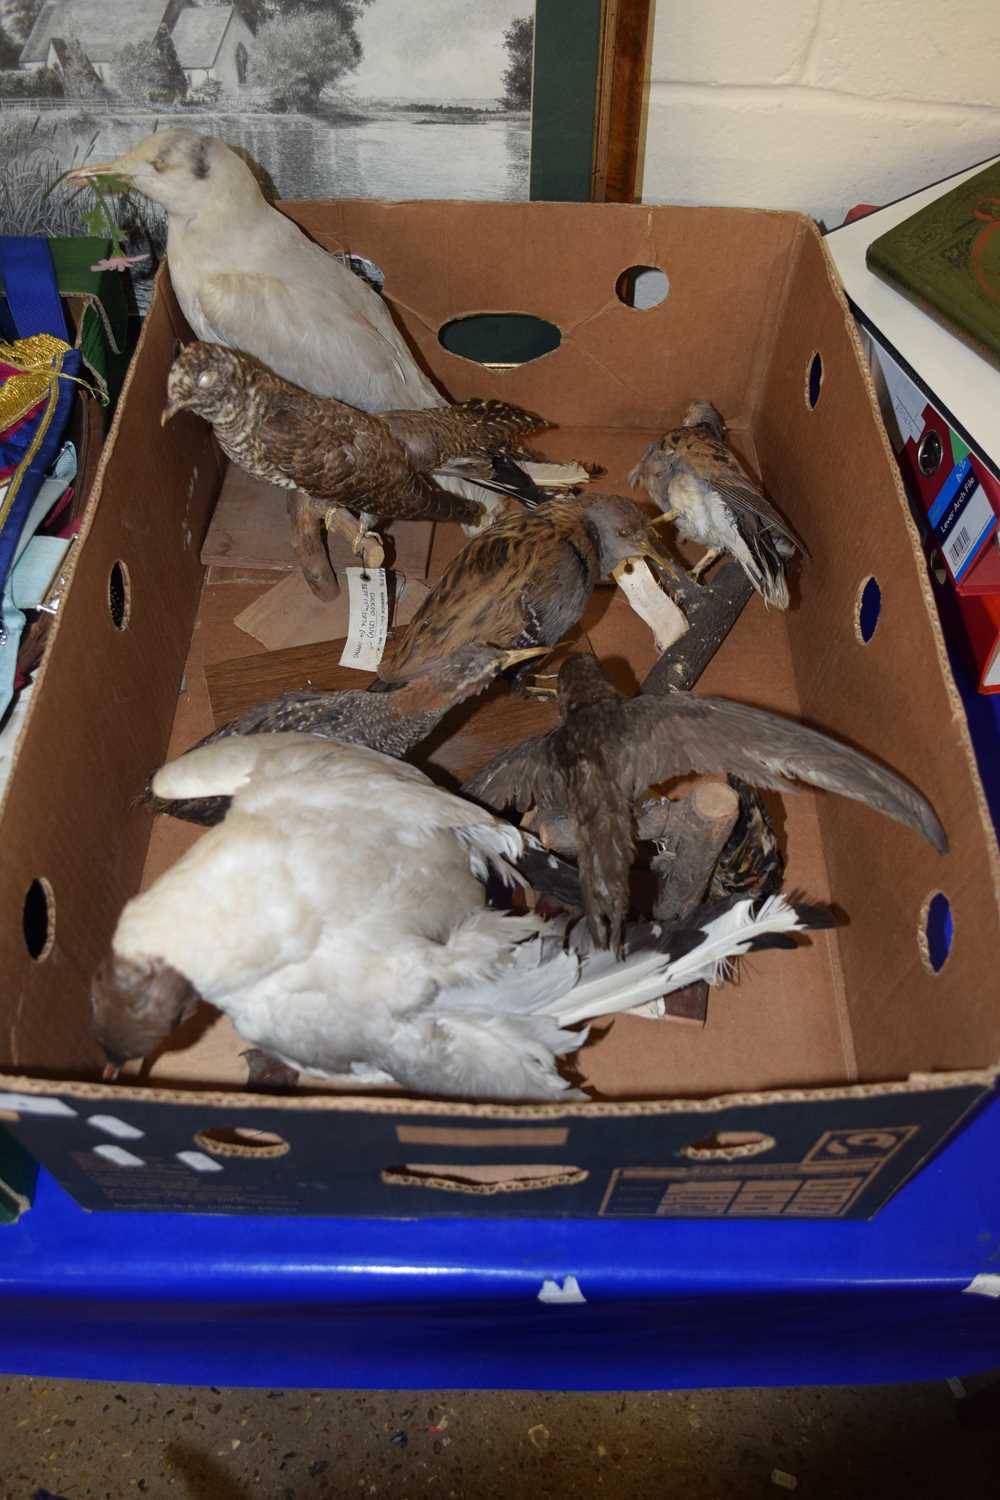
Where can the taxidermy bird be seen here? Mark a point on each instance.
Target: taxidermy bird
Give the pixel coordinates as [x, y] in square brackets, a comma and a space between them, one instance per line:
[246, 276]
[698, 482]
[382, 467]
[525, 582]
[389, 722]
[751, 862]
[338, 916]
[607, 751]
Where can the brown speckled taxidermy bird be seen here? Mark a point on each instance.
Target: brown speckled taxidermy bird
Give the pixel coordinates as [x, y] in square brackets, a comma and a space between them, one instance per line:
[698, 482]
[380, 467]
[608, 751]
[525, 582]
[389, 722]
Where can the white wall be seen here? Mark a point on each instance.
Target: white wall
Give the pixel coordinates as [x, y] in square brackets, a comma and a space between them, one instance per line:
[818, 104]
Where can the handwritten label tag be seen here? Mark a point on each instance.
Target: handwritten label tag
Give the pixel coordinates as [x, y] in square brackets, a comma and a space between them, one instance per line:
[368, 626]
[655, 608]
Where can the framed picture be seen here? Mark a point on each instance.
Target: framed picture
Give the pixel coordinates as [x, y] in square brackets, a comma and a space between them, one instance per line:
[504, 99]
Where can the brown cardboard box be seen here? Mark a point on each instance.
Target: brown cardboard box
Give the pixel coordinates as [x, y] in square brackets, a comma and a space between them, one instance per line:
[828, 1075]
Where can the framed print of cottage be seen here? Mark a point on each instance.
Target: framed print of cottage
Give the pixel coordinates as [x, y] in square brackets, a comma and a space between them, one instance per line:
[331, 98]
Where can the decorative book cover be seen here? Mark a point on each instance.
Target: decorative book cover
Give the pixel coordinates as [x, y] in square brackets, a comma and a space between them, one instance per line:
[946, 258]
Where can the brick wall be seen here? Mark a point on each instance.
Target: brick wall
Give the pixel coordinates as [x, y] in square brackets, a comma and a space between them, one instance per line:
[818, 104]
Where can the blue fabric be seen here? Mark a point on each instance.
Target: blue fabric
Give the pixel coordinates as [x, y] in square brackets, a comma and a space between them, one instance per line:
[29, 281]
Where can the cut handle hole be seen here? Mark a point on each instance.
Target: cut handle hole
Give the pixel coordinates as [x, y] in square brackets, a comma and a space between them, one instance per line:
[38, 919]
[814, 380]
[486, 1181]
[500, 340]
[119, 595]
[729, 1145]
[642, 287]
[869, 609]
[937, 931]
[241, 1141]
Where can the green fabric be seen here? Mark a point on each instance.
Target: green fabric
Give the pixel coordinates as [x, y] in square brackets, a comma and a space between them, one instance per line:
[564, 99]
[17, 1179]
[103, 333]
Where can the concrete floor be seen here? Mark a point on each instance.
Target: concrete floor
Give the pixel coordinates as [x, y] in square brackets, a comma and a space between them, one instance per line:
[102, 1442]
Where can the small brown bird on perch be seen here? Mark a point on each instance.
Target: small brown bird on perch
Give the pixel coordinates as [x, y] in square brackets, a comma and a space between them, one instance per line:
[382, 467]
[698, 482]
[607, 752]
[390, 722]
[525, 581]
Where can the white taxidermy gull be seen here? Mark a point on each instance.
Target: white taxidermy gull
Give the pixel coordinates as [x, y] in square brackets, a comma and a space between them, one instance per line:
[339, 916]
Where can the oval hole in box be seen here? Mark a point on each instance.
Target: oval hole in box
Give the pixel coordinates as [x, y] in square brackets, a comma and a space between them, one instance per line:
[729, 1145]
[240, 1140]
[814, 380]
[500, 340]
[38, 919]
[642, 287]
[869, 609]
[937, 931]
[119, 595]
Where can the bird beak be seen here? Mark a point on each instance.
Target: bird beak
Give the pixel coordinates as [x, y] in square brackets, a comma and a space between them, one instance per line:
[661, 560]
[527, 653]
[117, 168]
[111, 1072]
[663, 519]
[170, 410]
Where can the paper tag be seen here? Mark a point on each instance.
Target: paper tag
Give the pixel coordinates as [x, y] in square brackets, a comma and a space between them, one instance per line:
[650, 603]
[368, 602]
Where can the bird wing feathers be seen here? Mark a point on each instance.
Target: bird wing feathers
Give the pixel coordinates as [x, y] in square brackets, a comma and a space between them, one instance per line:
[719, 467]
[434, 437]
[677, 733]
[310, 339]
[522, 777]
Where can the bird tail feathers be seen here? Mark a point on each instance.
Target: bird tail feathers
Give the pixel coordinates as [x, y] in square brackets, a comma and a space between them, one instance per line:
[679, 957]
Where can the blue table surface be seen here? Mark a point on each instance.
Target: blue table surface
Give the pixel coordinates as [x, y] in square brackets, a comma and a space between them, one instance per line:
[453, 1303]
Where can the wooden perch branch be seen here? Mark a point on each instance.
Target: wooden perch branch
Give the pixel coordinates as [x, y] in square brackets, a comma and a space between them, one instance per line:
[711, 611]
[691, 834]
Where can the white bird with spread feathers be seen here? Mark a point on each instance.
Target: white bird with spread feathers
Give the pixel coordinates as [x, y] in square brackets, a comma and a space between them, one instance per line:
[339, 917]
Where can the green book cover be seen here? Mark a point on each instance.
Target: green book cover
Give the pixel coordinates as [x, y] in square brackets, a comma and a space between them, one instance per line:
[946, 258]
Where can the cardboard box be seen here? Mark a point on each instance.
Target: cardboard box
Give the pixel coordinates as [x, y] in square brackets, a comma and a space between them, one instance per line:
[819, 1083]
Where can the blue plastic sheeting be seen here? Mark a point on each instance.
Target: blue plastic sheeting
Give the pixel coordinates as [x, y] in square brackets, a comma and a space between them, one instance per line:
[451, 1303]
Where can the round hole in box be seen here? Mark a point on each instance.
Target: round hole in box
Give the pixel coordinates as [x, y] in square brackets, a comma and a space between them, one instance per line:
[937, 931]
[869, 609]
[814, 379]
[367, 269]
[119, 595]
[642, 287]
[729, 1145]
[38, 918]
[242, 1141]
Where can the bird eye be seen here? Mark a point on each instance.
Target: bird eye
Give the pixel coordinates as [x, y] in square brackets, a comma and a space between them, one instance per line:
[159, 165]
[207, 377]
